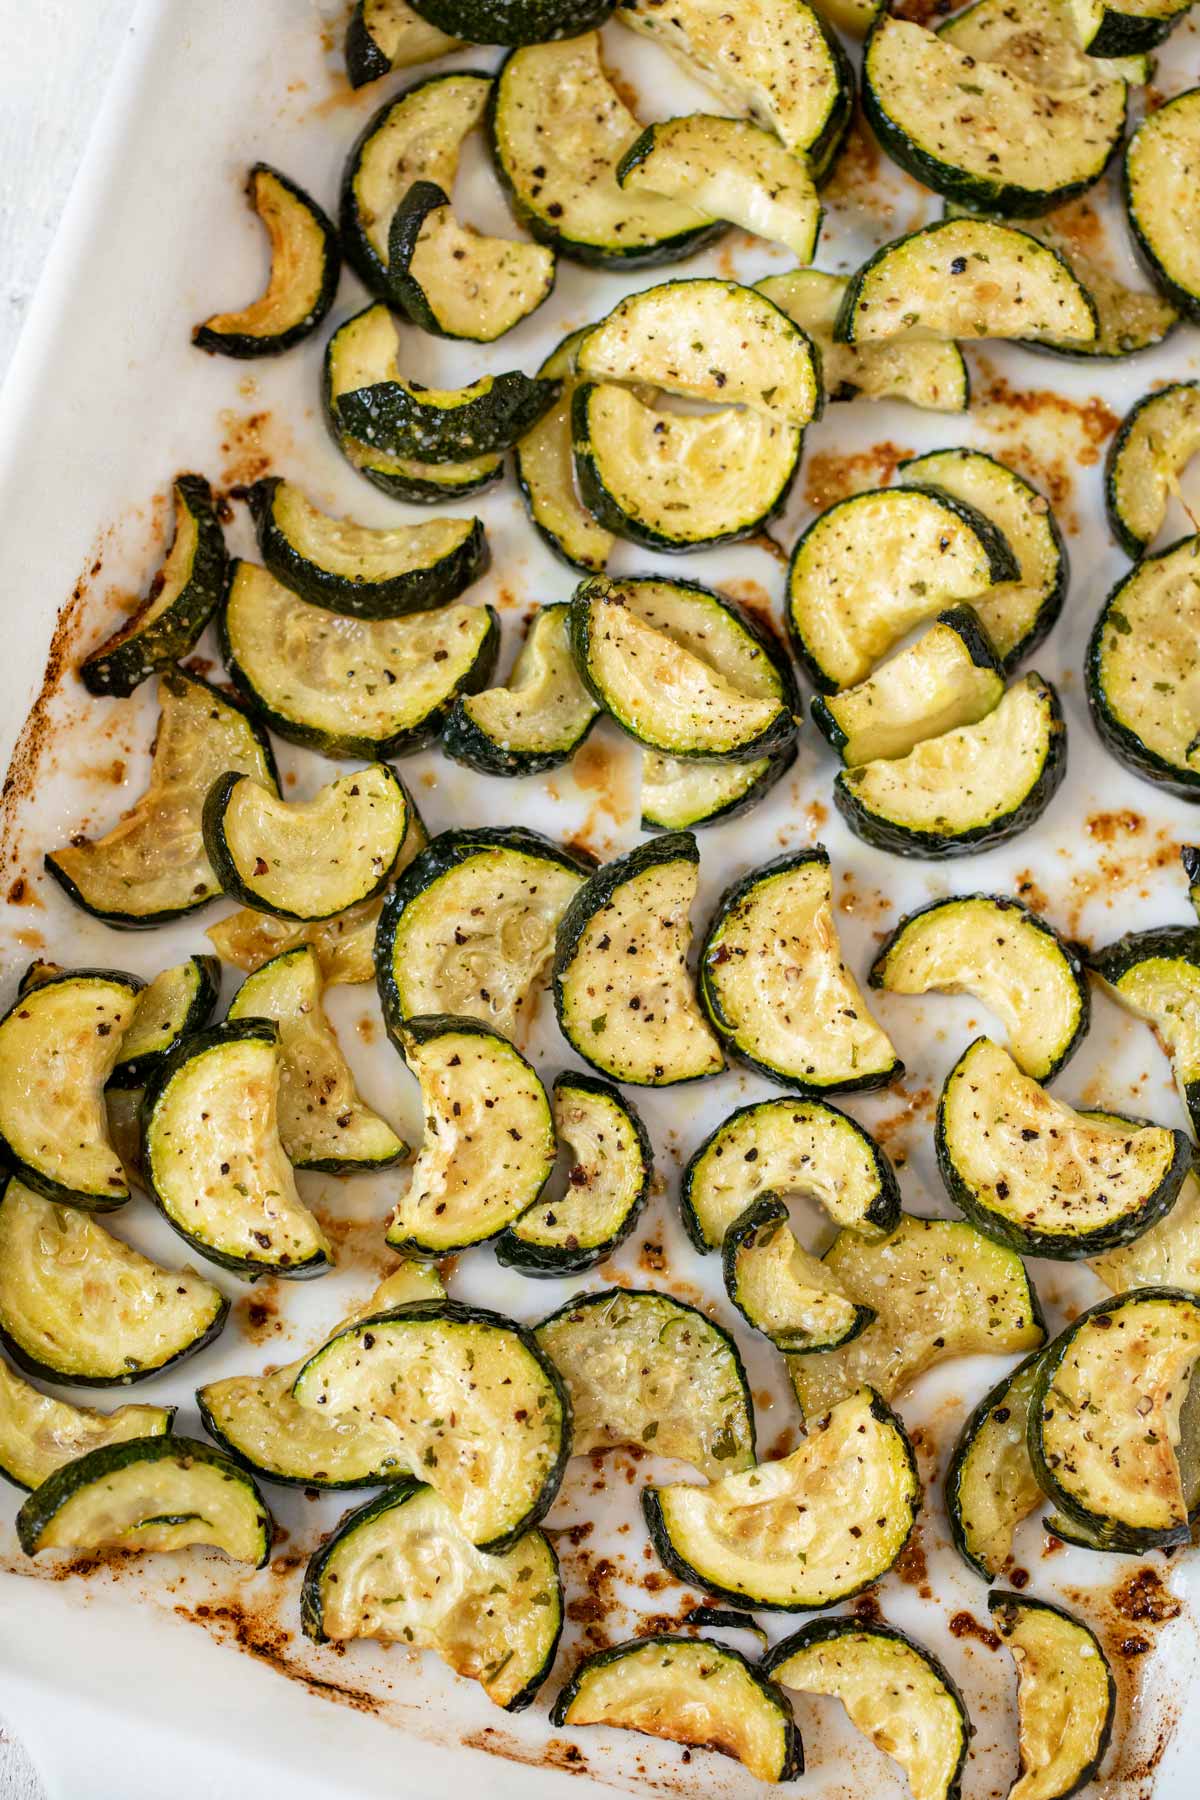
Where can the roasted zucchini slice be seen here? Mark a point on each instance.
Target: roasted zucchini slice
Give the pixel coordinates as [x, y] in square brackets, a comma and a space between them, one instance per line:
[515, 21]
[400, 1570]
[59, 1044]
[306, 261]
[1157, 439]
[152, 867]
[804, 1532]
[168, 1009]
[933, 376]
[497, 1449]
[967, 790]
[306, 859]
[79, 1306]
[775, 986]
[684, 796]
[559, 130]
[1035, 40]
[383, 35]
[646, 1369]
[872, 566]
[688, 1691]
[939, 1289]
[323, 1121]
[453, 281]
[364, 688]
[966, 278]
[990, 1483]
[368, 572]
[1168, 1255]
[213, 1158]
[181, 599]
[978, 131]
[538, 719]
[545, 469]
[1128, 319]
[1156, 976]
[1142, 666]
[1126, 29]
[420, 483]
[607, 1183]
[1066, 1696]
[469, 927]
[949, 677]
[732, 170]
[622, 989]
[785, 1147]
[38, 1433]
[259, 1421]
[896, 1693]
[149, 1494]
[1001, 953]
[780, 1289]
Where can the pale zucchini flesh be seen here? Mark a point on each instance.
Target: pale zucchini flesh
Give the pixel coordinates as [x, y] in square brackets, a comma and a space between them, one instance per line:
[1156, 976]
[1157, 439]
[1066, 1696]
[306, 262]
[1168, 1255]
[730, 169]
[545, 469]
[179, 1000]
[538, 719]
[39, 1433]
[455, 282]
[1143, 672]
[780, 1289]
[683, 796]
[990, 1483]
[1159, 175]
[383, 35]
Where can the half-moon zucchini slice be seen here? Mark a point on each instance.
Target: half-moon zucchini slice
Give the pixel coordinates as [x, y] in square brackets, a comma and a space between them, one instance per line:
[306, 261]
[688, 1691]
[181, 599]
[420, 483]
[1168, 1255]
[38, 1433]
[399, 1569]
[368, 572]
[624, 996]
[152, 866]
[684, 796]
[646, 1369]
[1128, 28]
[1156, 976]
[149, 1494]
[780, 1289]
[1157, 439]
[169, 1008]
[896, 1693]
[1157, 185]
[364, 688]
[306, 859]
[939, 1289]
[515, 21]
[802, 1533]
[967, 790]
[538, 719]
[1066, 1696]
[455, 282]
[544, 464]
[990, 1483]
[732, 170]
[496, 1449]
[213, 1157]
[78, 1306]
[1128, 319]
[1035, 40]
[470, 927]
[995, 949]
[59, 1043]
[323, 1121]
[607, 1183]
[775, 986]
[383, 35]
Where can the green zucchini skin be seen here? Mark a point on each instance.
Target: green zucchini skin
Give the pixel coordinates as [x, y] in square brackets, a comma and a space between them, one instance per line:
[135, 650]
[1131, 542]
[1187, 301]
[774, 770]
[769, 1209]
[1173, 942]
[32, 1365]
[245, 346]
[1005, 1609]
[1131, 34]
[395, 419]
[423, 198]
[136, 1072]
[994, 1398]
[514, 22]
[365, 61]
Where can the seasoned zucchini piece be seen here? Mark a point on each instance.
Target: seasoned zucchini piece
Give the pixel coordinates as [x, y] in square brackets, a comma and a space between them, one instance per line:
[780, 1289]
[966, 278]
[79, 1306]
[607, 1183]
[306, 261]
[896, 1693]
[967, 790]
[181, 599]
[213, 1157]
[1141, 669]
[149, 1494]
[59, 1043]
[1157, 439]
[939, 1289]
[323, 1121]
[453, 281]
[733, 170]
[497, 1449]
[366, 688]
[788, 1146]
[1128, 319]
[515, 21]
[932, 376]
[545, 469]
[643, 1368]
[995, 949]
[1066, 1696]
[780, 63]
[802, 1533]
[38, 1434]
[1125, 29]
[774, 984]
[469, 927]
[854, 17]
[306, 859]
[559, 130]
[537, 720]
[1016, 614]
[990, 1483]
[622, 989]
[168, 1009]
[1035, 40]
[152, 866]
[383, 35]
[683, 796]
[258, 1420]
[420, 483]
[978, 131]
[949, 677]
[872, 566]
[1156, 976]
[400, 1570]
[367, 572]
[1168, 1255]
[688, 1691]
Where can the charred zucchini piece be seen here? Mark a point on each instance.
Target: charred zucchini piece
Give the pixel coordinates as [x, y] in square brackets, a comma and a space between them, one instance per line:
[306, 261]
[1066, 1696]
[990, 1483]
[537, 720]
[684, 796]
[545, 469]
[453, 281]
[1157, 439]
[38, 1433]
[1168, 1255]
[780, 1289]
[1141, 669]
[1156, 976]
[169, 1008]
[932, 376]
[383, 35]
[1156, 182]
[732, 170]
